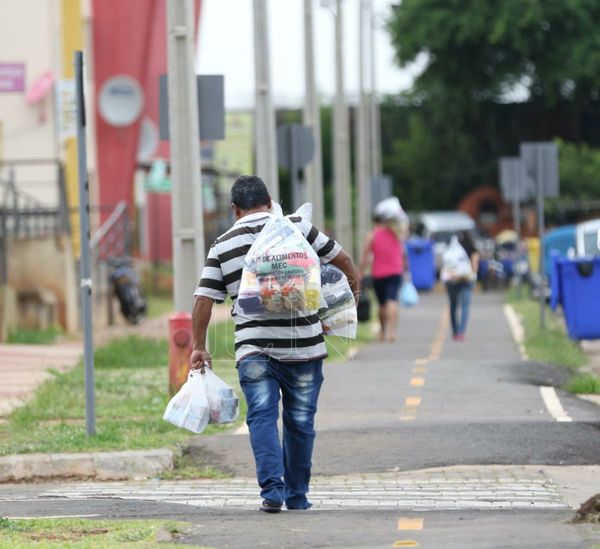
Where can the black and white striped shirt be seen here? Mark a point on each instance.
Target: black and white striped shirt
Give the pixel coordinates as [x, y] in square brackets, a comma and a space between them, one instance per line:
[285, 338]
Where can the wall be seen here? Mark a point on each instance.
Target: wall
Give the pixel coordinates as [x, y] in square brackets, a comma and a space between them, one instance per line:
[27, 35]
[46, 264]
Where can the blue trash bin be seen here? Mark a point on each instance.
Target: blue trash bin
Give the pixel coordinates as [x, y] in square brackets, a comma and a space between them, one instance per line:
[578, 291]
[422, 264]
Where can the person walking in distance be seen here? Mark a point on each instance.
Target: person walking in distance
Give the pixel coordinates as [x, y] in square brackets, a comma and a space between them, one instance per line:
[278, 357]
[459, 273]
[384, 249]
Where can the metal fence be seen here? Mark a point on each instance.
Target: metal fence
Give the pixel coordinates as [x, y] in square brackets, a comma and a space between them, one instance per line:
[23, 216]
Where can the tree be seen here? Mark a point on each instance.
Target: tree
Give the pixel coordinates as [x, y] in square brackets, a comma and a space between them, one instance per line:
[479, 56]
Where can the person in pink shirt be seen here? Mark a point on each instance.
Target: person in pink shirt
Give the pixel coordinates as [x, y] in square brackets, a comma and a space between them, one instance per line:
[384, 249]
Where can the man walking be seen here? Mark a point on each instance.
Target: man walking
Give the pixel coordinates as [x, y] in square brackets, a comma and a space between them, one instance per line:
[276, 358]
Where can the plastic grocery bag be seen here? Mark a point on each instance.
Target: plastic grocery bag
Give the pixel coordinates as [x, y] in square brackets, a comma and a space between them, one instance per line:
[409, 296]
[189, 408]
[390, 209]
[339, 317]
[456, 265]
[281, 272]
[223, 402]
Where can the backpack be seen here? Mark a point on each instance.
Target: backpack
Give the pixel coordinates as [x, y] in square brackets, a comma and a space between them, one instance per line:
[456, 264]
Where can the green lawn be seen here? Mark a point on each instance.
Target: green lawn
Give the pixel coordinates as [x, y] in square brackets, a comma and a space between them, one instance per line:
[88, 534]
[552, 344]
[35, 337]
[159, 305]
[131, 383]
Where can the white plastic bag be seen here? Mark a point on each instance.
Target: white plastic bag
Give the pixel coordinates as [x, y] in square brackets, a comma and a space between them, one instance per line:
[189, 408]
[390, 209]
[340, 317]
[456, 264]
[409, 297]
[223, 402]
[281, 272]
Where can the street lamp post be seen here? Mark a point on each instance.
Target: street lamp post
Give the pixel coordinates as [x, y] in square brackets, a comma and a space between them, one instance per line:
[265, 142]
[313, 172]
[363, 164]
[341, 151]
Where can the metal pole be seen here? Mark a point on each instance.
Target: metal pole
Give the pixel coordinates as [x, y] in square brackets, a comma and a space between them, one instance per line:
[362, 133]
[313, 172]
[341, 152]
[517, 227]
[264, 114]
[539, 168]
[295, 183]
[85, 260]
[187, 213]
[375, 117]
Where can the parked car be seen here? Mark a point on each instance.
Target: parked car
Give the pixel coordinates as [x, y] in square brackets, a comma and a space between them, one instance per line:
[440, 226]
[587, 238]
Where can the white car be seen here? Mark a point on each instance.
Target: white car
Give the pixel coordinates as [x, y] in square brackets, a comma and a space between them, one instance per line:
[587, 238]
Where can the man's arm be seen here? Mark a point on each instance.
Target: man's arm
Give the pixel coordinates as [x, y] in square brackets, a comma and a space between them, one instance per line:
[345, 264]
[200, 319]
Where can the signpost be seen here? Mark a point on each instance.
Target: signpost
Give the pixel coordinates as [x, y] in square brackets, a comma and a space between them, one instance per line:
[85, 262]
[295, 149]
[211, 106]
[540, 164]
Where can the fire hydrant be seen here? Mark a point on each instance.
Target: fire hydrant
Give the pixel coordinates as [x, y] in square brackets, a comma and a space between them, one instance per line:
[180, 349]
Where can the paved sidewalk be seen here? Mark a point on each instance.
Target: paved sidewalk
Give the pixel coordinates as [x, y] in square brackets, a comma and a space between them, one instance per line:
[23, 368]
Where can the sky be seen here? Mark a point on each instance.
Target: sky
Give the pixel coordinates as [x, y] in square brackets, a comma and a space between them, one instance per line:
[226, 47]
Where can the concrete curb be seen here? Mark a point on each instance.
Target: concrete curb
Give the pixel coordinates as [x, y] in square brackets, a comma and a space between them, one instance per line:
[127, 465]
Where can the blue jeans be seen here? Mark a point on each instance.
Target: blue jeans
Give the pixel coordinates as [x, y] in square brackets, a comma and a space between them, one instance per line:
[283, 471]
[459, 294]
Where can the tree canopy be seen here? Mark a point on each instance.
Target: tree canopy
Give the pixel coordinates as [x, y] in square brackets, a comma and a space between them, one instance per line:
[495, 73]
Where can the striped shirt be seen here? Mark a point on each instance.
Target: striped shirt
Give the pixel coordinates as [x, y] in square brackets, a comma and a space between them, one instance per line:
[284, 337]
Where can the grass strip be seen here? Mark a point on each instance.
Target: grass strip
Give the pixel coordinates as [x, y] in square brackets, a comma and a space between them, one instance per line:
[79, 533]
[552, 345]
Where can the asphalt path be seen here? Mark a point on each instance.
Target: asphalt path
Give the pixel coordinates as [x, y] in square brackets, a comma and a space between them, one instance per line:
[428, 401]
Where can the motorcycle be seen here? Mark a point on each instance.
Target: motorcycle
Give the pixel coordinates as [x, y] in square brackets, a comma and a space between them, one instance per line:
[126, 286]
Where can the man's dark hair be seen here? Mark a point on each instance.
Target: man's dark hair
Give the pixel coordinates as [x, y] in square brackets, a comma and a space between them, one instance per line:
[249, 192]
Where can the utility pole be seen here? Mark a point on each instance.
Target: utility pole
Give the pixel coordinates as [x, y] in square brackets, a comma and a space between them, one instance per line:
[363, 165]
[376, 168]
[341, 151]
[187, 212]
[313, 172]
[265, 142]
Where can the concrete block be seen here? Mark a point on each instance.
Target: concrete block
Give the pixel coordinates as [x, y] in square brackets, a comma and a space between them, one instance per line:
[133, 464]
[72, 465]
[23, 467]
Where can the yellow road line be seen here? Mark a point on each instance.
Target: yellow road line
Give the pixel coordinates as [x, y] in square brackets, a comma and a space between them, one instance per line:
[406, 543]
[406, 418]
[417, 381]
[420, 370]
[410, 523]
[421, 361]
[412, 401]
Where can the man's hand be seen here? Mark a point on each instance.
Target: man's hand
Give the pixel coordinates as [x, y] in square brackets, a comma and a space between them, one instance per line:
[201, 358]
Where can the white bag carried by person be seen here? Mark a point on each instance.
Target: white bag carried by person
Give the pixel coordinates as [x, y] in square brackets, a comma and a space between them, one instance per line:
[339, 317]
[223, 402]
[189, 408]
[390, 209]
[281, 272]
[204, 398]
[456, 264]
